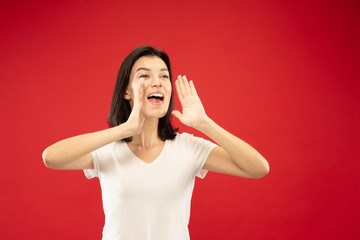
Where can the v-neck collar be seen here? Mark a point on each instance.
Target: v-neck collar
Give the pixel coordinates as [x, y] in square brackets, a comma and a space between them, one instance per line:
[140, 161]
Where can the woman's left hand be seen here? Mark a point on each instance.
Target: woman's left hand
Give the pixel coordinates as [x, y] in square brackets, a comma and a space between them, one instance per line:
[193, 113]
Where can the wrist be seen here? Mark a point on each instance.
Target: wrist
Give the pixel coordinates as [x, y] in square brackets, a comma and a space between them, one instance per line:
[125, 130]
[204, 125]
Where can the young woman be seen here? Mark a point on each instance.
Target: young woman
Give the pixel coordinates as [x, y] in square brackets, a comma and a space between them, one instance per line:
[146, 169]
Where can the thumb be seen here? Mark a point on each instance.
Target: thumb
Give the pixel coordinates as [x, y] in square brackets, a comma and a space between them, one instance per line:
[177, 114]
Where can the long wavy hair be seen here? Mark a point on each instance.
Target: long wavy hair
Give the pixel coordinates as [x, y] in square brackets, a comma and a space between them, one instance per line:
[120, 108]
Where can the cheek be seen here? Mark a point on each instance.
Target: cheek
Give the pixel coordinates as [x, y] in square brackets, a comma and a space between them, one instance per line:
[169, 89]
[133, 84]
[130, 92]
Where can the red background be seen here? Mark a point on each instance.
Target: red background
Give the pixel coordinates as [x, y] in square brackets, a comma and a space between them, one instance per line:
[281, 75]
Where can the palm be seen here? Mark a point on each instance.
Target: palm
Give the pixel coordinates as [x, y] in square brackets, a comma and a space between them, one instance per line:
[193, 112]
[136, 118]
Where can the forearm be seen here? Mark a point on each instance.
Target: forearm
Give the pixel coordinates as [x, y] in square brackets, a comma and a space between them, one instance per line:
[73, 148]
[242, 154]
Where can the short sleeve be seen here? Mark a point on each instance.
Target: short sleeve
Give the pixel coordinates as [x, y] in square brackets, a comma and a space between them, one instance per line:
[91, 173]
[201, 150]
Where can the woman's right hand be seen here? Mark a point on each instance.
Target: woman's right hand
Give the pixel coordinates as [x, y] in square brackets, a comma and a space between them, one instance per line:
[75, 152]
[136, 119]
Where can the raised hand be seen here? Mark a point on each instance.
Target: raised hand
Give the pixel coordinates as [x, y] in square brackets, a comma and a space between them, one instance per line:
[136, 119]
[193, 113]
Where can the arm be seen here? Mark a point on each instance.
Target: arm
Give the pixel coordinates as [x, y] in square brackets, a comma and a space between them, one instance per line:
[234, 156]
[75, 152]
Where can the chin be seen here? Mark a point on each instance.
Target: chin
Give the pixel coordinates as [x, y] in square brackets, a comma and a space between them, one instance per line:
[155, 114]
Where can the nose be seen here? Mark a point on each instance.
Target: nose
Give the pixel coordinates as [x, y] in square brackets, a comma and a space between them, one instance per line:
[155, 82]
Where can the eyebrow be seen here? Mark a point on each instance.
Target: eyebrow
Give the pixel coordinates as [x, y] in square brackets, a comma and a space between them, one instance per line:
[148, 69]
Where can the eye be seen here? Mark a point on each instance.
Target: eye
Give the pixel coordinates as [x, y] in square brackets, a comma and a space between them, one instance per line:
[144, 76]
[165, 76]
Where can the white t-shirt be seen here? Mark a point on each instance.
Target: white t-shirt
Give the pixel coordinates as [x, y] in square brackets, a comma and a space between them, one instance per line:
[149, 201]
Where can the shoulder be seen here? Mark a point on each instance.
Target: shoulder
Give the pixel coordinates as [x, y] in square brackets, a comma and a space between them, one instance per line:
[108, 154]
[184, 137]
[190, 139]
[109, 147]
[182, 140]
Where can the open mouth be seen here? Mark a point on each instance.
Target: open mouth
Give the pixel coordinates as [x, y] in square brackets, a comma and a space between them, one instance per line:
[156, 98]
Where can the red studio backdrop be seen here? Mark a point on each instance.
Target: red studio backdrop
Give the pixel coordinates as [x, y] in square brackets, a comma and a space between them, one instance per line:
[281, 75]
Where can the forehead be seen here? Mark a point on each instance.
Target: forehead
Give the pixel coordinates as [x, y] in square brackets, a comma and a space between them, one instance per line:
[152, 62]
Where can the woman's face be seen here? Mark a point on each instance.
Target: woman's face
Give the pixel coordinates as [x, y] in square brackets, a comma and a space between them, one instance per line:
[157, 85]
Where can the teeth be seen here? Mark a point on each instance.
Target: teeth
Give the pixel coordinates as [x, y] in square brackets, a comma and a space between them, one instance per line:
[156, 95]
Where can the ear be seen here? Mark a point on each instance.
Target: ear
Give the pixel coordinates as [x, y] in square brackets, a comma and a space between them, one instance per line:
[127, 95]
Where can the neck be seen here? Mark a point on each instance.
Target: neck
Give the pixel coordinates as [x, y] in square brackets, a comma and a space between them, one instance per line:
[149, 136]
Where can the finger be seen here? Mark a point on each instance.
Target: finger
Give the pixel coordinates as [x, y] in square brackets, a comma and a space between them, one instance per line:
[181, 86]
[192, 87]
[176, 113]
[177, 84]
[186, 86]
[136, 91]
[139, 92]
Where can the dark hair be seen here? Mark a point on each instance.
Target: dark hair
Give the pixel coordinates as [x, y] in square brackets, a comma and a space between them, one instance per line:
[120, 108]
